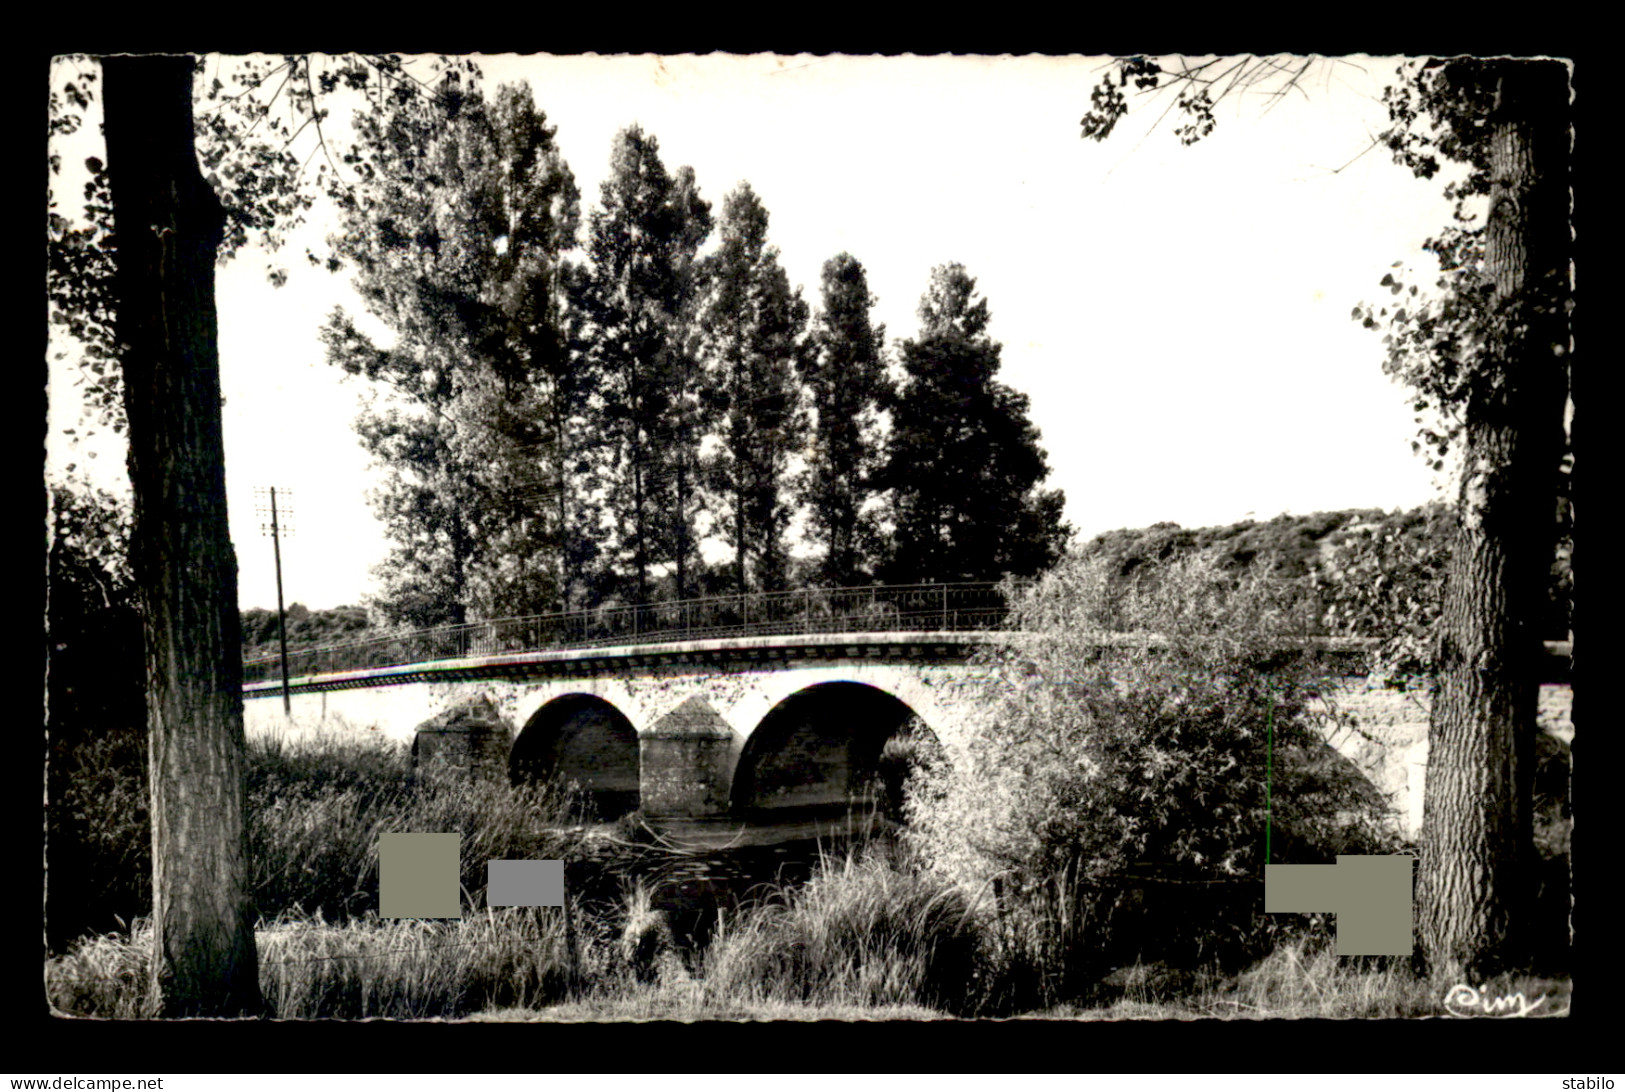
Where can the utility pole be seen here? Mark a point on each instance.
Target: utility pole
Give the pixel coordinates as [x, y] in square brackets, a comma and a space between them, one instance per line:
[276, 530]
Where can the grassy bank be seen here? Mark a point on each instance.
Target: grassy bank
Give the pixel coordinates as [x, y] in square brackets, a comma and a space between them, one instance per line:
[865, 939]
[874, 934]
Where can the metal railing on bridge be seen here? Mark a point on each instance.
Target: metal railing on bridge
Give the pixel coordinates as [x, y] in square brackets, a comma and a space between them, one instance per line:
[880, 608]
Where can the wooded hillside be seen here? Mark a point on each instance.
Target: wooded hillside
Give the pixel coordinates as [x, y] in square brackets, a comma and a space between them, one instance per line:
[305, 627]
[1370, 573]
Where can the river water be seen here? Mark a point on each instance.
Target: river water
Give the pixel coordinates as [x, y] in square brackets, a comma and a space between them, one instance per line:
[696, 873]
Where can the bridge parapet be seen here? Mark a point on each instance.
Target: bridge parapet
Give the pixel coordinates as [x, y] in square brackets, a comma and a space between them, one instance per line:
[763, 652]
[810, 611]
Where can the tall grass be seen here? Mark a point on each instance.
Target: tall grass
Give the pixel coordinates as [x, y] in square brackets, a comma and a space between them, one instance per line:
[103, 975]
[1304, 978]
[869, 936]
[647, 946]
[318, 806]
[867, 929]
[413, 969]
[311, 969]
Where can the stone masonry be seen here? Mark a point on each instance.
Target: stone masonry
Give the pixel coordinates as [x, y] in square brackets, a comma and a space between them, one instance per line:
[470, 740]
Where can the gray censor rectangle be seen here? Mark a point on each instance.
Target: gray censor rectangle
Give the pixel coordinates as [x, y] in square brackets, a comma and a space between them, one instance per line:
[1303, 888]
[1370, 894]
[1375, 915]
[418, 876]
[524, 883]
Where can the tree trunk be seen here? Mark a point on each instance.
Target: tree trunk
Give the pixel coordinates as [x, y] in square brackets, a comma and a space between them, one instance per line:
[462, 555]
[566, 538]
[740, 545]
[640, 554]
[168, 225]
[1477, 838]
[685, 442]
[682, 516]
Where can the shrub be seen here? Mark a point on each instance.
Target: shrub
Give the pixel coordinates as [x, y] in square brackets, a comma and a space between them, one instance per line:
[98, 841]
[1121, 741]
[910, 748]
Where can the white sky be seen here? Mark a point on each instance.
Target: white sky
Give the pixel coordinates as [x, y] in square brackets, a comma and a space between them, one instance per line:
[1179, 316]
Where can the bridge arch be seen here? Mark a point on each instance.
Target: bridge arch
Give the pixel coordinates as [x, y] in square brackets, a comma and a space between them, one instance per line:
[583, 738]
[818, 750]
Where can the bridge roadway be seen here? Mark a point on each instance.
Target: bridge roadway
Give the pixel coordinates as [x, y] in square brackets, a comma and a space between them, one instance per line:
[780, 729]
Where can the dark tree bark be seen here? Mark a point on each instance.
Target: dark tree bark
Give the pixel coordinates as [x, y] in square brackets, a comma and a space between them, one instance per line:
[168, 226]
[1477, 834]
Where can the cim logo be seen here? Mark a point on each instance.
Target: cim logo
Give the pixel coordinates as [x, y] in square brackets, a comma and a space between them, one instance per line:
[1466, 1001]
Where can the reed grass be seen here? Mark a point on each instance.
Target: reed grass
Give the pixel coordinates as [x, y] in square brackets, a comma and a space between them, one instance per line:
[867, 930]
[311, 969]
[317, 807]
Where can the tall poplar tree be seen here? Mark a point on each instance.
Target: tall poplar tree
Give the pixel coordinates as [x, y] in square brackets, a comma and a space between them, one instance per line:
[844, 372]
[964, 465]
[752, 328]
[455, 230]
[637, 300]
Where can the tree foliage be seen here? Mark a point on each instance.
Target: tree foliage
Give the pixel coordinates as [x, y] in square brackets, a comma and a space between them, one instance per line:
[80, 263]
[262, 144]
[752, 331]
[455, 228]
[1447, 342]
[306, 627]
[254, 117]
[964, 466]
[637, 299]
[1362, 572]
[844, 373]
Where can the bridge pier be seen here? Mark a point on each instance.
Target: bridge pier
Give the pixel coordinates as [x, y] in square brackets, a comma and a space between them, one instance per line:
[470, 739]
[686, 763]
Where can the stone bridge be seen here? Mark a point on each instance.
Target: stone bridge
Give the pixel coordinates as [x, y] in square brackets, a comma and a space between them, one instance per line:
[764, 731]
